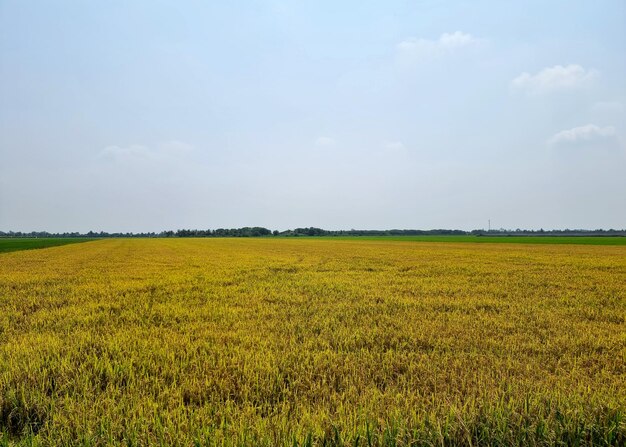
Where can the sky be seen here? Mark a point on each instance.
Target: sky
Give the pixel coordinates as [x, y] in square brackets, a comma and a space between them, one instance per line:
[153, 115]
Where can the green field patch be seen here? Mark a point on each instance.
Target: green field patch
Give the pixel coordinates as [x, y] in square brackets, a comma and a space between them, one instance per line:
[18, 243]
[570, 240]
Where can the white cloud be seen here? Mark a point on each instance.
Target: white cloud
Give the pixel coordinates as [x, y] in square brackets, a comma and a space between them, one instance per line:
[394, 146]
[558, 77]
[608, 107]
[583, 134]
[134, 151]
[446, 43]
[325, 141]
[456, 40]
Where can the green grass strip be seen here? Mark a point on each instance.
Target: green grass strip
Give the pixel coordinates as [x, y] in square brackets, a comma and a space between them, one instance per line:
[574, 240]
[17, 244]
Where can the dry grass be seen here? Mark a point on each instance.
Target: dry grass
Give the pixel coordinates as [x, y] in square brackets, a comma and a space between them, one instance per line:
[312, 342]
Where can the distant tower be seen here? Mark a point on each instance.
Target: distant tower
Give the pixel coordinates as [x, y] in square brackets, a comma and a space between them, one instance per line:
[489, 224]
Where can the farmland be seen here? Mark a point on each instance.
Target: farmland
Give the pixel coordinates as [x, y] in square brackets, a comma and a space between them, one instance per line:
[313, 342]
[566, 240]
[17, 244]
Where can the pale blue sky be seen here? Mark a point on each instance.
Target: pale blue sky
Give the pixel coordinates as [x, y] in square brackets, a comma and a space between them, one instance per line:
[151, 115]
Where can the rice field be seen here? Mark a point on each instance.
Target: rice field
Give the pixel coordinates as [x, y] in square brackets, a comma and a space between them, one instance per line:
[311, 342]
[31, 243]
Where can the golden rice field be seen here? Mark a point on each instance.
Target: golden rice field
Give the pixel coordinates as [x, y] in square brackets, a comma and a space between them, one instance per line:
[285, 342]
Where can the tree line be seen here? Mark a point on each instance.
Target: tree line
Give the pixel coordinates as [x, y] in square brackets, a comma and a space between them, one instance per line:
[313, 231]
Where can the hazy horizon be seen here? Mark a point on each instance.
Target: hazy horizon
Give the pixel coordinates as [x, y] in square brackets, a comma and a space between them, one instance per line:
[148, 116]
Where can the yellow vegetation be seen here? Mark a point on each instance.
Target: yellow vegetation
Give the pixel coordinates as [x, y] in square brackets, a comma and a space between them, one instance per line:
[308, 341]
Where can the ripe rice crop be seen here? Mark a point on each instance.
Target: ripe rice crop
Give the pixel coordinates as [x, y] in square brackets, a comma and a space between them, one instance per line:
[284, 342]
